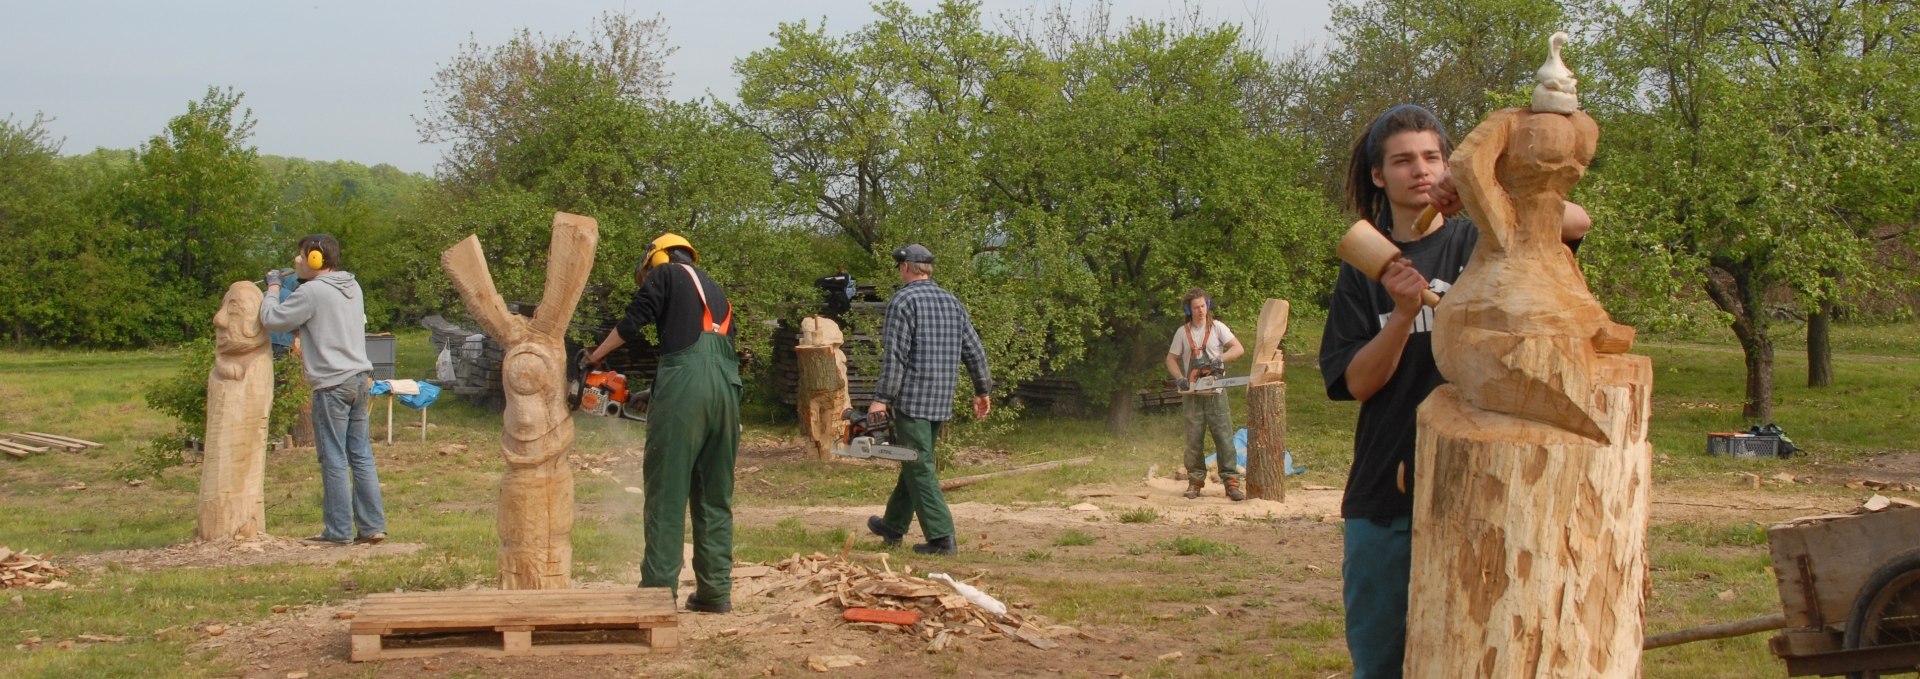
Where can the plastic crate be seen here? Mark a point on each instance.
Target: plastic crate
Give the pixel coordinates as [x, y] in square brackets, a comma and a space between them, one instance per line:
[1746, 445]
[380, 352]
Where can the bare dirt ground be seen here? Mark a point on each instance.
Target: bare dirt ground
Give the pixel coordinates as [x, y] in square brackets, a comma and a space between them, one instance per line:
[1295, 545]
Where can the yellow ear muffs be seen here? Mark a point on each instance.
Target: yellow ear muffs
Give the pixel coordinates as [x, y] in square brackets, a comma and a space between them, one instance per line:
[315, 259]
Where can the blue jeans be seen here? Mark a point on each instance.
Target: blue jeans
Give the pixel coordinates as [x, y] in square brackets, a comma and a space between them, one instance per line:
[1379, 562]
[350, 497]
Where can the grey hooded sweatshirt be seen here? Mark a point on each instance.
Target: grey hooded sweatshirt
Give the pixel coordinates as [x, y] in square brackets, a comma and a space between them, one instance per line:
[330, 314]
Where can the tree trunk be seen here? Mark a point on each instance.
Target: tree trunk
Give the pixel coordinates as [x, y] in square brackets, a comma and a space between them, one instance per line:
[1267, 441]
[823, 397]
[1820, 346]
[1121, 408]
[1530, 540]
[1733, 290]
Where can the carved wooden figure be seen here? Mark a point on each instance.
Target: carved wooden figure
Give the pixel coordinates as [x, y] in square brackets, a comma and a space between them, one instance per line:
[1532, 463]
[823, 384]
[239, 398]
[1267, 407]
[536, 490]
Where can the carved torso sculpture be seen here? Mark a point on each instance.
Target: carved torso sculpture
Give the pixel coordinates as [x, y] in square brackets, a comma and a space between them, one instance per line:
[239, 398]
[823, 384]
[1532, 462]
[536, 490]
[1520, 329]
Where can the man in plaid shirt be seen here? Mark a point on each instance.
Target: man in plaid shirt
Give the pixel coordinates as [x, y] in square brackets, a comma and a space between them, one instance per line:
[927, 335]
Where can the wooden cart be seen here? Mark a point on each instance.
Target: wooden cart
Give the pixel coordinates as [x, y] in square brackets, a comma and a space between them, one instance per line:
[1849, 596]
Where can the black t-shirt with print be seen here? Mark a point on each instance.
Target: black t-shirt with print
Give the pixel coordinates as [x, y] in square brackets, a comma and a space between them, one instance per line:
[1384, 438]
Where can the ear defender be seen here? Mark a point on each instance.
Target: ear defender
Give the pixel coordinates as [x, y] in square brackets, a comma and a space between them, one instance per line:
[315, 259]
[1188, 308]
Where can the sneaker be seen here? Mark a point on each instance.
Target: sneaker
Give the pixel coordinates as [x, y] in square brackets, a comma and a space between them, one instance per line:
[324, 541]
[1233, 490]
[695, 605]
[1193, 490]
[373, 539]
[938, 546]
[879, 527]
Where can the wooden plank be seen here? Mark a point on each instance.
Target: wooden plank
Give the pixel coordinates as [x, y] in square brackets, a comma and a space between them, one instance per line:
[20, 454]
[366, 647]
[67, 439]
[35, 440]
[26, 447]
[547, 650]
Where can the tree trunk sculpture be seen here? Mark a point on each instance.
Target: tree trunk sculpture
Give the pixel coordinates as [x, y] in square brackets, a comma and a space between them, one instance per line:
[239, 399]
[1267, 407]
[536, 490]
[823, 385]
[1532, 464]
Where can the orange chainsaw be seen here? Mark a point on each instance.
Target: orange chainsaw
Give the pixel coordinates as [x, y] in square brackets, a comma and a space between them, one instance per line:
[604, 392]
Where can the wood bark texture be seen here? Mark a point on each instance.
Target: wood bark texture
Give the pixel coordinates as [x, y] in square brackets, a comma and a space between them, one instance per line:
[1532, 465]
[239, 399]
[824, 397]
[1267, 407]
[536, 489]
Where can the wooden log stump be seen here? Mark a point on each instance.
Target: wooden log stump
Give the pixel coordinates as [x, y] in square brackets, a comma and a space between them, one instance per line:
[1267, 441]
[1267, 407]
[1530, 539]
[239, 399]
[535, 519]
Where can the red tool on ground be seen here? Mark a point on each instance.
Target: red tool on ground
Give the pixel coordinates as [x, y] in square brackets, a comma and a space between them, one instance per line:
[891, 617]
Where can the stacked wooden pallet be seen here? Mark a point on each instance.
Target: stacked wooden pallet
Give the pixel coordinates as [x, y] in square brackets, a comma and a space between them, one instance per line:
[21, 444]
[435, 623]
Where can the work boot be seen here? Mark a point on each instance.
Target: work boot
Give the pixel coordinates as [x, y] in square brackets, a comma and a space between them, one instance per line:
[694, 604]
[879, 527]
[1193, 488]
[1233, 490]
[938, 546]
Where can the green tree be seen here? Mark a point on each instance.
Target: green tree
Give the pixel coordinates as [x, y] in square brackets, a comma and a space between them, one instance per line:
[199, 206]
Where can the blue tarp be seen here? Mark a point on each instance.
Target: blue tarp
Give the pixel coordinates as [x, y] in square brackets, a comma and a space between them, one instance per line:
[1240, 448]
[428, 394]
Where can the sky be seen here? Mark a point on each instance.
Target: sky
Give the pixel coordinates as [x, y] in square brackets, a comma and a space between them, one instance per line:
[344, 80]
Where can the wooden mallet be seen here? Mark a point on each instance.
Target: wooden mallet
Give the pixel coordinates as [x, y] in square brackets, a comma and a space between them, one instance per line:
[1368, 250]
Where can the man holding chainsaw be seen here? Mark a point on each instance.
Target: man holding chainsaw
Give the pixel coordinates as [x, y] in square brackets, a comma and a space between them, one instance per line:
[925, 338]
[1201, 348]
[693, 422]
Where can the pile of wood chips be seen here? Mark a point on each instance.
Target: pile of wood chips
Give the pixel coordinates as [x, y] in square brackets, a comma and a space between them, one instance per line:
[809, 583]
[23, 570]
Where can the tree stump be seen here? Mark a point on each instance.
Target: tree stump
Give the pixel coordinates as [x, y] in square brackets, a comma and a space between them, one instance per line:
[1267, 441]
[1267, 407]
[1530, 540]
[536, 490]
[239, 399]
[823, 385]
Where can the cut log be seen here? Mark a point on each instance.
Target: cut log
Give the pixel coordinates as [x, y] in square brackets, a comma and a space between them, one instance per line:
[953, 483]
[1530, 539]
[16, 452]
[50, 443]
[824, 389]
[67, 439]
[1739, 628]
[1267, 441]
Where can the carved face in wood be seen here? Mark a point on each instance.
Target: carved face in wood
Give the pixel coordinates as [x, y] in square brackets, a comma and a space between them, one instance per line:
[534, 376]
[236, 326]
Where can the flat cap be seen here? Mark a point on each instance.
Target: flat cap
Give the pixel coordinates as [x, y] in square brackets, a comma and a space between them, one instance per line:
[913, 253]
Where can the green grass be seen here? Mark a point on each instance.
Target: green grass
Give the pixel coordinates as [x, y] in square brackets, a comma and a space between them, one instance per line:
[1704, 572]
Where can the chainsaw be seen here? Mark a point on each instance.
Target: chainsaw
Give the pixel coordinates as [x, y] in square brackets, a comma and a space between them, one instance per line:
[604, 392]
[1209, 374]
[871, 436]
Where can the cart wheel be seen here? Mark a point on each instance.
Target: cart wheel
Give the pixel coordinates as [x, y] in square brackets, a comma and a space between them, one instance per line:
[1887, 610]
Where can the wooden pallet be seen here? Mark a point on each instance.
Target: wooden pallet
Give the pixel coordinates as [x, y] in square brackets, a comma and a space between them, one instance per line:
[521, 618]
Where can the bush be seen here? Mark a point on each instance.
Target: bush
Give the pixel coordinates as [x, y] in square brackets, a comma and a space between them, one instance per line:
[183, 396]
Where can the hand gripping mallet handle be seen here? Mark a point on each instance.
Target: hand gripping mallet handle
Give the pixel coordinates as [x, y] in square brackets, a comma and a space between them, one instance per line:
[1370, 252]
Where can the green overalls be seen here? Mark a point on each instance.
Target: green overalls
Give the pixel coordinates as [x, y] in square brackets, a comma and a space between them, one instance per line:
[693, 434]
